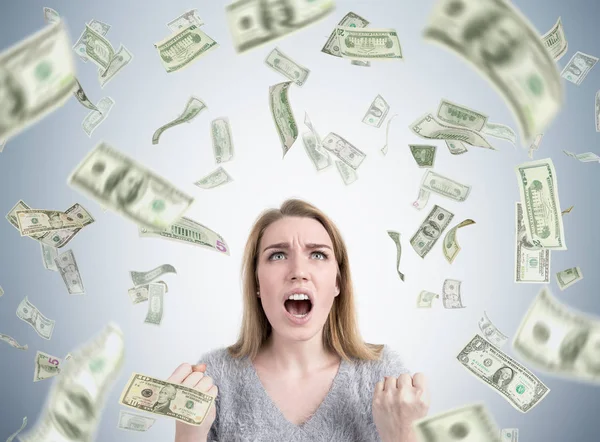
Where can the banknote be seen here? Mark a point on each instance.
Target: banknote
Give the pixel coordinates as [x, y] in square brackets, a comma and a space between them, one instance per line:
[425, 299]
[559, 340]
[470, 423]
[319, 143]
[332, 46]
[377, 112]
[451, 296]
[283, 64]
[1, 291]
[189, 231]
[134, 422]
[422, 199]
[509, 434]
[424, 154]
[451, 246]
[598, 111]
[456, 147]
[436, 183]
[368, 44]
[555, 41]
[430, 230]
[568, 277]
[347, 173]
[514, 382]
[46, 366]
[222, 142]
[83, 385]
[2, 145]
[395, 236]
[156, 304]
[12, 342]
[192, 108]
[140, 293]
[522, 71]
[51, 16]
[82, 97]
[80, 46]
[38, 76]
[163, 398]
[538, 188]
[585, 157]
[256, 22]
[578, 67]
[140, 278]
[30, 314]
[490, 332]
[185, 46]
[95, 118]
[121, 59]
[67, 266]
[567, 210]
[281, 110]
[459, 115]
[344, 150]
[41, 221]
[117, 181]
[12, 436]
[428, 127]
[188, 18]
[319, 159]
[362, 63]
[535, 145]
[48, 255]
[384, 149]
[501, 131]
[97, 48]
[214, 179]
[532, 263]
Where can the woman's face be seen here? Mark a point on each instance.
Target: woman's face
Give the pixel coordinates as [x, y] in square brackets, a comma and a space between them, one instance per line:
[281, 269]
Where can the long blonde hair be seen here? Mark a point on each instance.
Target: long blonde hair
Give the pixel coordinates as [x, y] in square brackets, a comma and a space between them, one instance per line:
[340, 332]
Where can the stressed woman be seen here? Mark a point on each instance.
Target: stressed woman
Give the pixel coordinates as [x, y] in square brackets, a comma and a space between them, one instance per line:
[300, 370]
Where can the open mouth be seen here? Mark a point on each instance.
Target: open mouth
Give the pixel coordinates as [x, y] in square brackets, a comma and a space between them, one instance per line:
[298, 308]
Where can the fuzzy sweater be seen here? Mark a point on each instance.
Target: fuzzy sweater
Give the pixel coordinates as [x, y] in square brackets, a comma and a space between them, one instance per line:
[245, 412]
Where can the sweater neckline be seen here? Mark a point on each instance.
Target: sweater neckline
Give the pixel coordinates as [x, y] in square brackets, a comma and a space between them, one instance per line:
[274, 409]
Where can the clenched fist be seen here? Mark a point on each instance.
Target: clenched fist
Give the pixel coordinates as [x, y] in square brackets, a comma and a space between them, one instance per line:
[397, 403]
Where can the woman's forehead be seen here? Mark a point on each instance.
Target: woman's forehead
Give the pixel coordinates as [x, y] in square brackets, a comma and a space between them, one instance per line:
[306, 230]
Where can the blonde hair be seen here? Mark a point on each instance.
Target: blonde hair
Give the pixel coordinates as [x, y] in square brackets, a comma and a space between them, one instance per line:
[340, 332]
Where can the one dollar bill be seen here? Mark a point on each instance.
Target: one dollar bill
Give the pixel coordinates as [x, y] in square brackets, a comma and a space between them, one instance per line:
[368, 44]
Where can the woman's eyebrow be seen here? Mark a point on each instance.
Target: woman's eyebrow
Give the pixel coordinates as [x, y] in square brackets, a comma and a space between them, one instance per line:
[285, 245]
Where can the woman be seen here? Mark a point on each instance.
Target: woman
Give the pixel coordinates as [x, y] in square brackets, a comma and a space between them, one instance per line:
[300, 370]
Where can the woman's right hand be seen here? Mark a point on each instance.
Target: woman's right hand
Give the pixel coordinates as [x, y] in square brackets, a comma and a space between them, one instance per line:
[193, 376]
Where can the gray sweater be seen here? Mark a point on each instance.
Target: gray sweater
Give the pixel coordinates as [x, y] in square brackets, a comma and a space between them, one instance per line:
[246, 413]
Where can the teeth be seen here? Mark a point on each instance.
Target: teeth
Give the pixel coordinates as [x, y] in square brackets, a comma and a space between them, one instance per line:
[298, 297]
[300, 316]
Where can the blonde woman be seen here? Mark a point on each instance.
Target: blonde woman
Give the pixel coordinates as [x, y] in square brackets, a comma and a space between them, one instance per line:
[300, 370]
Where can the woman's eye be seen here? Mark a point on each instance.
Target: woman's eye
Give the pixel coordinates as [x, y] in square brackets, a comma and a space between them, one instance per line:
[276, 253]
[281, 253]
[323, 254]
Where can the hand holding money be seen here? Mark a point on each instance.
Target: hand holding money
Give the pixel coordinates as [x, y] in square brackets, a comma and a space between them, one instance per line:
[397, 403]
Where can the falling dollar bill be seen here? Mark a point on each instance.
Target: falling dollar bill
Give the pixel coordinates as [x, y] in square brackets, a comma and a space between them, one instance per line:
[459, 115]
[41, 221]
[428, 127]
[50, 15]
[46, 366]
[332, 46]
[514, 382]
[344, 150]
[491, 332]
[121, 59]
[189, 231]
[362, 63]
[38, 76]
[29, 313]
[214, 179]
[283, 64]
[255, 22]
[555, 41]
[538, 188]
[2, 144]
[319, 143]
[12, 436]
[321, 160]
[567, 210]
[535, 145]
[422, 199]
[82, 97]
[134, 422]
[532, 263]
[568, 277]
[436, 183]
[80, 46]
[185, 46]
[424, 154]
[140, 293]
[395, 236]
[377, 112]
[559, 340]
[156, 304]
[578, 67]
[1, 291]
[501, 131]
[163, 398]
[471, 423]
[509, 434]
[281, 110]
[586, 157]
[192, 108]
[598, 111]
[451, 296]
[83, 385]
[347, 173]
[368, 44]
[222, 142]
[12, 342]
[456, 147]
[185, 20]
[430, 230]
[384, 149]
[67, 266]
[140, 278]
[97, 48]
[95, 118]
[451, 246]
[523, 72]
[117, 181]
[425, 299]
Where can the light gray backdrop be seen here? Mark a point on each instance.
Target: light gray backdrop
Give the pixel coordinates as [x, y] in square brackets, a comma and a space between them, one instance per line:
[203, 305]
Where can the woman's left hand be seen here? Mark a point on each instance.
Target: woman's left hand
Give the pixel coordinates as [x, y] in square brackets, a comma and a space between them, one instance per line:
[397, 403]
